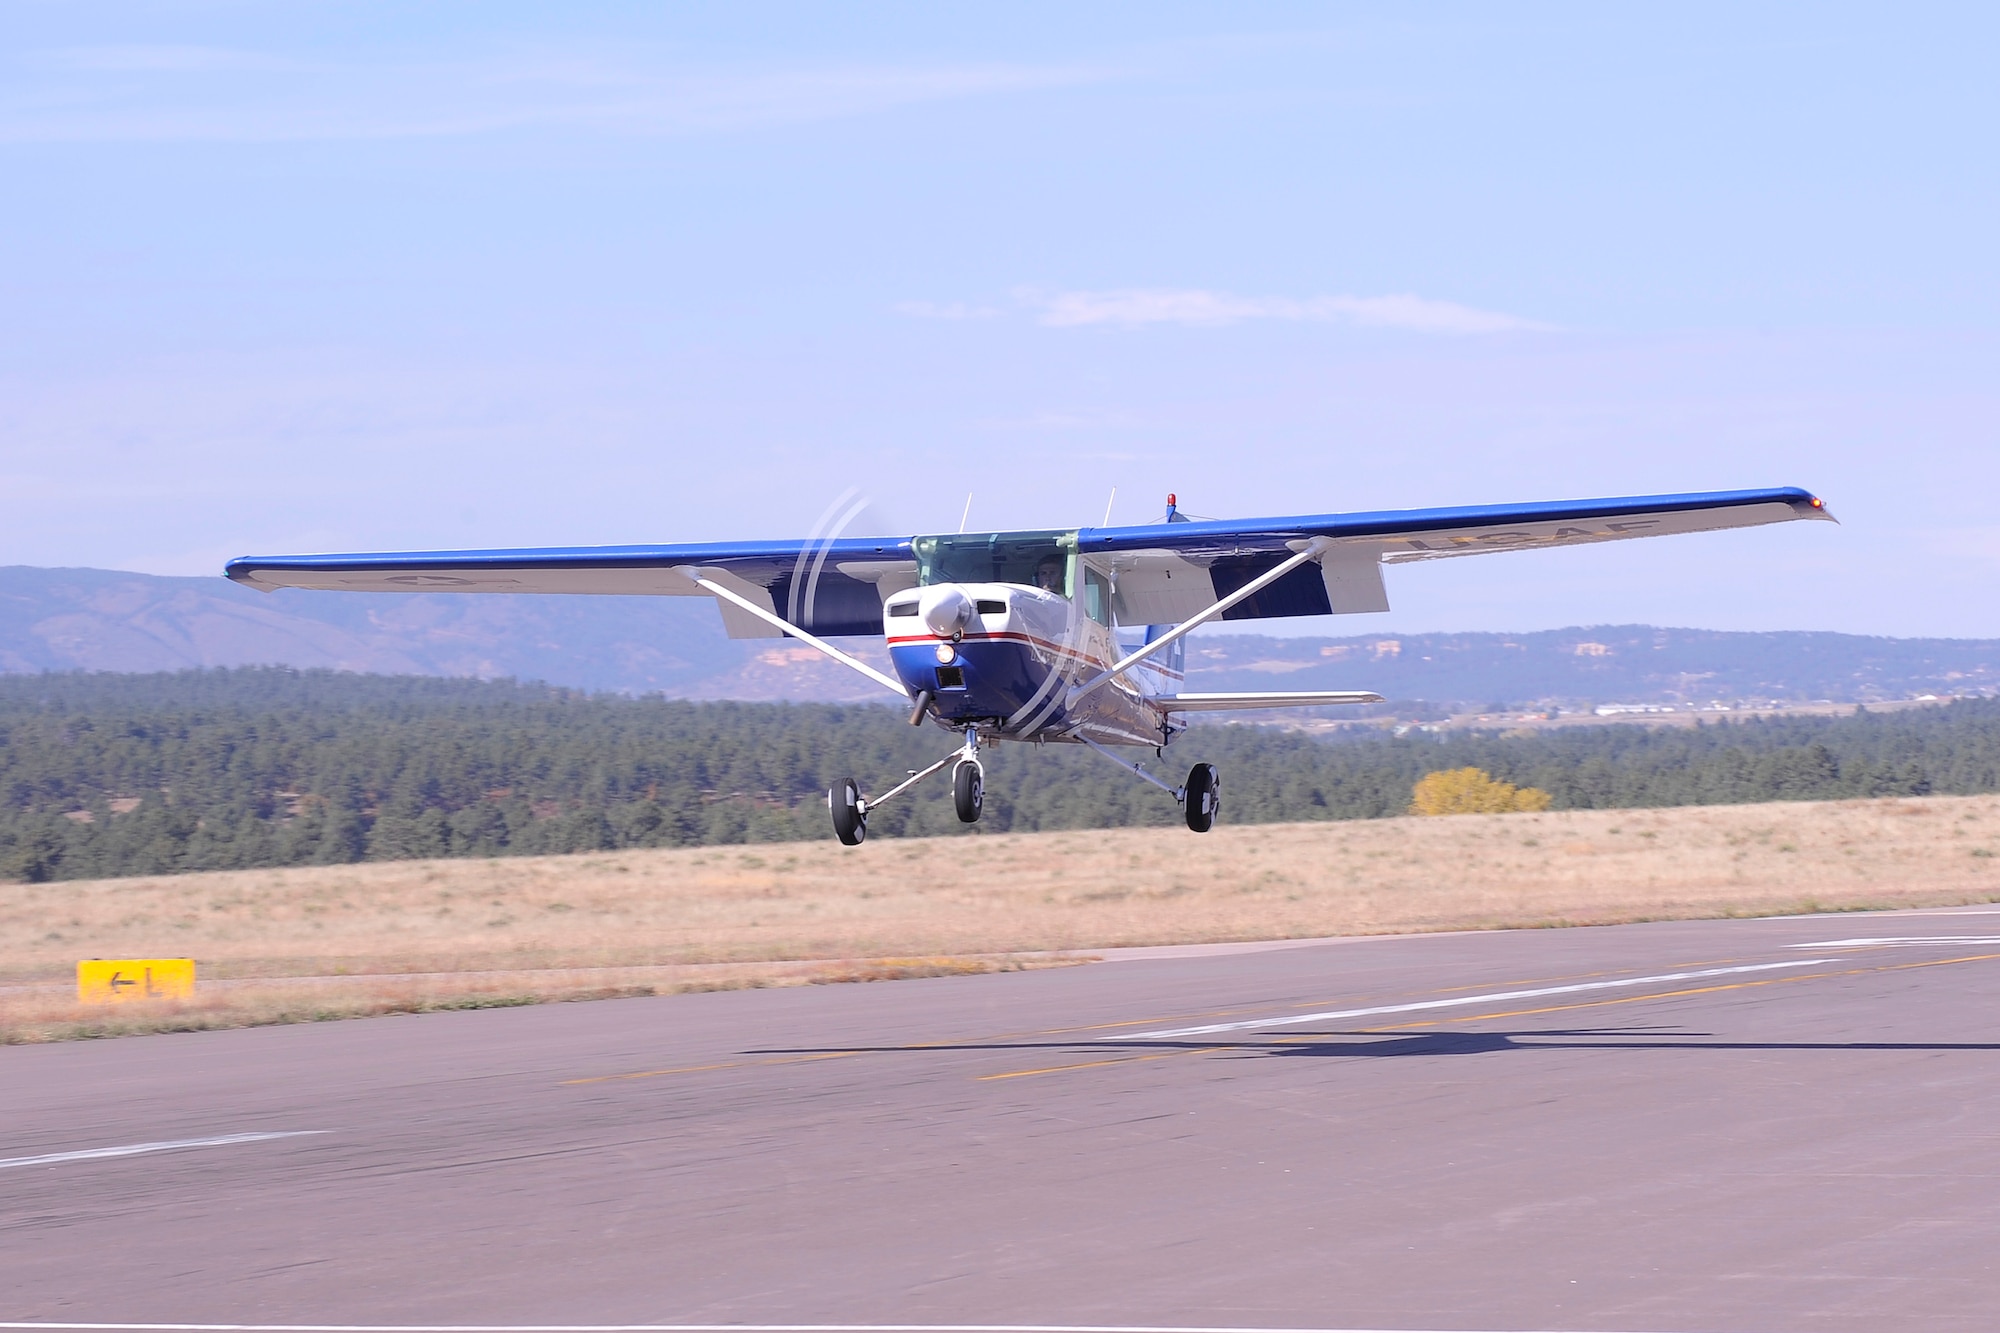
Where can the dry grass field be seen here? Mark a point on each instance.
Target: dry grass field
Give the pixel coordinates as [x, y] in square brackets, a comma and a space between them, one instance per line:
[342, 940]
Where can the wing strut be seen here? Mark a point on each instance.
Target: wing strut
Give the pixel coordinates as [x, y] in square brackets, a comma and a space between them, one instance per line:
[1314, 549]
[1178, 793]
[772, 617]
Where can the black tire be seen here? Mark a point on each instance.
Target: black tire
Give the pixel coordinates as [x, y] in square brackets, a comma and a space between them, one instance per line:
[1203, 799]
[850, 821]
[968, 791]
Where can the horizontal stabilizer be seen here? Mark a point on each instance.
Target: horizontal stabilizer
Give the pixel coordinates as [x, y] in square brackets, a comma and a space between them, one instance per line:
[1218, 703]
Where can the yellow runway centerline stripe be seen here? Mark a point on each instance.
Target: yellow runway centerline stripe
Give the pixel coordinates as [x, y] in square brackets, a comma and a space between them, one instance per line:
[702, 1069]
[1098, 1064]
[1520, 981]
[653, 1073]
[1935, 962]
[1138, 1022]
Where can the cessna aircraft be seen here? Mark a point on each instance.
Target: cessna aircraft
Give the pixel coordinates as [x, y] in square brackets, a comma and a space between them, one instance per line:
[1014, 636]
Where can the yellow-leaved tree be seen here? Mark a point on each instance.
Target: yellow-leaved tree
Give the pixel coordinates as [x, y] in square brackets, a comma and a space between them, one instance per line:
[1472, 791]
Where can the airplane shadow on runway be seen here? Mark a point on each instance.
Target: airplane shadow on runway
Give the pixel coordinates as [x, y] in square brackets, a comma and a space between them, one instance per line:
[1369, 1045]
[1600, 1039]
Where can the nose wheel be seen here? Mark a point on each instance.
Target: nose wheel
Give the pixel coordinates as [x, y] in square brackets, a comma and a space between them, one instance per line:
[968, 790]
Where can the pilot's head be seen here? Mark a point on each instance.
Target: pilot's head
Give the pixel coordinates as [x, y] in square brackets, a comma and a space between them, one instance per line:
[1049, 574]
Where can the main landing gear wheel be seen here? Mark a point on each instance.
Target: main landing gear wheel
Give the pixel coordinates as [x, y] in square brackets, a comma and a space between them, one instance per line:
[850, 821]
[968, 791]
[1202, 799]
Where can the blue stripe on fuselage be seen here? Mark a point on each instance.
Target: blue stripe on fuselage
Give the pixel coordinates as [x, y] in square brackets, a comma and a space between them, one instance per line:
[1000, 675]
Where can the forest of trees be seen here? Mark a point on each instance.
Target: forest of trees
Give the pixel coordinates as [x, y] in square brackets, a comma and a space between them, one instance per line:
[105, 775]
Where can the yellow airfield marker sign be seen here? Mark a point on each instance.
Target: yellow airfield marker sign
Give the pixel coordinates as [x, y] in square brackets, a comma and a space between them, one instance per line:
[123, 980]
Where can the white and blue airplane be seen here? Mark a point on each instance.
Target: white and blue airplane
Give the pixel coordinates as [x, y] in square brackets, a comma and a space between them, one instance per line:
[1014, 636]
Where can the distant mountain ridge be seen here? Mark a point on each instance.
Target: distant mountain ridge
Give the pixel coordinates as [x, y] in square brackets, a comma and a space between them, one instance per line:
[1610, 664]
[104, 620]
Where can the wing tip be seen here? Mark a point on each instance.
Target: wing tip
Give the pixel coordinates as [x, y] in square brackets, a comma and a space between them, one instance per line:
[242, 570]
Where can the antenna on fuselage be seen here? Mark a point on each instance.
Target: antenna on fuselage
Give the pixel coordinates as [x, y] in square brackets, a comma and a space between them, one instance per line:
[1107, 507]
[965, 513]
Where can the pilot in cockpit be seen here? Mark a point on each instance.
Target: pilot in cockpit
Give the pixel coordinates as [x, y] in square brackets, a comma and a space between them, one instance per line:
[1049, 575]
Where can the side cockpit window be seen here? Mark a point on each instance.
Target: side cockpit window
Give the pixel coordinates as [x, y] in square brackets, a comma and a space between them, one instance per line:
[1096, 596]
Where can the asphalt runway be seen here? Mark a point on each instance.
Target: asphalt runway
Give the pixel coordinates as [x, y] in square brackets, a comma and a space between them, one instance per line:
[1723, 1125]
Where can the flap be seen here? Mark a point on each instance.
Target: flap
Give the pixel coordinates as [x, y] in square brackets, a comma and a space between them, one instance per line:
[1353, 577]
[1159, 588]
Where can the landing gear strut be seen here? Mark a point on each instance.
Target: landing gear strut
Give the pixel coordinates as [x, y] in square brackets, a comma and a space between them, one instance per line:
[850, 809]
[1200, 798]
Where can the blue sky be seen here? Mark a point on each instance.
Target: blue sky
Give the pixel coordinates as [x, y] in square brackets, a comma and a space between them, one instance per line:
[286, 277]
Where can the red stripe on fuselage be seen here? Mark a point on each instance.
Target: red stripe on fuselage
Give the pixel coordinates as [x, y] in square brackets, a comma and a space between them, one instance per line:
[1015, 636]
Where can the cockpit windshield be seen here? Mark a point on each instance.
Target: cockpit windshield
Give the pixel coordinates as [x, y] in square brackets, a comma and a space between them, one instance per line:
[1036, 559]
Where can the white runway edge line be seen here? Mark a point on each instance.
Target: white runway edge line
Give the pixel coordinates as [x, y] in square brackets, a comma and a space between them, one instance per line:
[1491, 997]
[1902, 942]
[135, 1150]
[704, 1328]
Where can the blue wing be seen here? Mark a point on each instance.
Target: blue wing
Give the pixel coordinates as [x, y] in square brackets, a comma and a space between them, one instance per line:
[1168, 572]
[1165, 573]
[830, 587]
